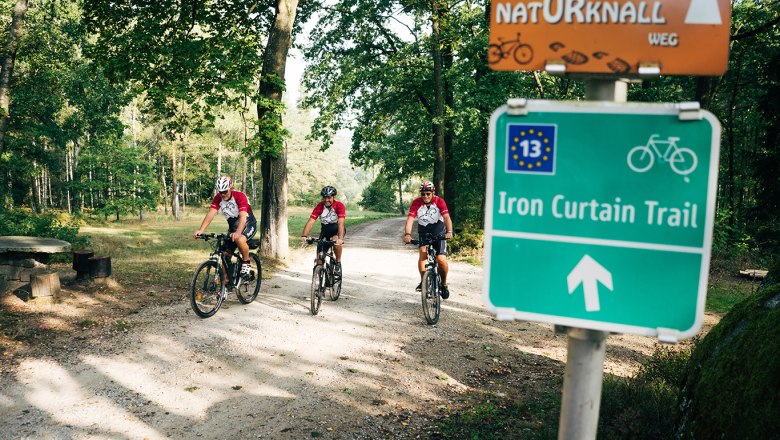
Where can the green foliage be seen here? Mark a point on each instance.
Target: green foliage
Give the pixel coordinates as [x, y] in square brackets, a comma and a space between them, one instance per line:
[468, 242]
[490, 417]
[377, 80]
[309, 168]
[731, 382]
[380, 196]
[642, 407]
[52, 225]
[269, 139]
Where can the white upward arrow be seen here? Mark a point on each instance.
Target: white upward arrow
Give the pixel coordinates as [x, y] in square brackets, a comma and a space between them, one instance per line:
[587, 272]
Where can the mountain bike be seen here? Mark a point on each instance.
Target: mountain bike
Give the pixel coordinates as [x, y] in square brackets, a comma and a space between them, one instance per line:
[431, 280]
[522, 53]
[221, 274]
[323, 277]
[642, 157]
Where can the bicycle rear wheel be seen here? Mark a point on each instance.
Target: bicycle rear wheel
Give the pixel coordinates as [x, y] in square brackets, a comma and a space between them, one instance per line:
[431, 301]
[250, 286]
[207, 284]
[317, 287]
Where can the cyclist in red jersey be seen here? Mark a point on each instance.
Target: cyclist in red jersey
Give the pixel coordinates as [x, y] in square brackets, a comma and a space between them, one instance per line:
[433, 218]
[242, 224]
[332, 215]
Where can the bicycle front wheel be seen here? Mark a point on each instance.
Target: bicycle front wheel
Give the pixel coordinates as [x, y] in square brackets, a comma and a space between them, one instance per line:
[207, 284]
[250, 284]
[431, 301]
[317, 287]
[335, 289]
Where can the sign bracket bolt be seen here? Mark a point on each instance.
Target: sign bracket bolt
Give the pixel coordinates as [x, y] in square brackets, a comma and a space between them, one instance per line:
[517, 106]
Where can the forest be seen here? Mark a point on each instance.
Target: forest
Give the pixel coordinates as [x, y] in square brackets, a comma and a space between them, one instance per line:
[111, 110]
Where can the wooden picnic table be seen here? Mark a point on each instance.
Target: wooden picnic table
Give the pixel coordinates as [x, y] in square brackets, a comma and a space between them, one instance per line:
[35, 247]
[20, 256]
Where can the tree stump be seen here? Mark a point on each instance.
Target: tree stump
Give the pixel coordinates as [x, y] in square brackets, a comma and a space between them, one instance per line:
[99, 267]
[45, 284]
[81, 263]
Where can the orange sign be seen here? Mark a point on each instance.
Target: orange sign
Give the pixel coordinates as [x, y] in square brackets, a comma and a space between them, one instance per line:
[670, 37]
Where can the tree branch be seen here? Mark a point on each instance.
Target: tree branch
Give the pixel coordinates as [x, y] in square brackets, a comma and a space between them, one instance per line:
[765, 27]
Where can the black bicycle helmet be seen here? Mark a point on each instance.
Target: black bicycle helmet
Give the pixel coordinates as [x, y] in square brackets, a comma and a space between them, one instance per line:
[328, 191]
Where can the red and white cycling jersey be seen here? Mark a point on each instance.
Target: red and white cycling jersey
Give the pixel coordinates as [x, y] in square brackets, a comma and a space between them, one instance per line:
[428, 215]
[329, 215]
[230, 208]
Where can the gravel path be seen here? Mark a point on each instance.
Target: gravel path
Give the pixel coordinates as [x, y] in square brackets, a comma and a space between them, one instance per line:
[271, 370]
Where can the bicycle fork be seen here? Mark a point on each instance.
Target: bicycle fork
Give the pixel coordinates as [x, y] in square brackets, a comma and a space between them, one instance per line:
[433, 268]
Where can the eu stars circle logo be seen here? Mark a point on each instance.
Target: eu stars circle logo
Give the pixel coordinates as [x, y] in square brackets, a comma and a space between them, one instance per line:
[531, 148]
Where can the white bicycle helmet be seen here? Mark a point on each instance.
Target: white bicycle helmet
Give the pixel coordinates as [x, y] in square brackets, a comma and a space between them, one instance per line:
[427, 186]
[328, 191]
[224, 183]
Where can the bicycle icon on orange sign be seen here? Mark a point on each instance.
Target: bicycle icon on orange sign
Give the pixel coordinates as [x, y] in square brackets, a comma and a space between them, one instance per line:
[682, 160]
[522, 53]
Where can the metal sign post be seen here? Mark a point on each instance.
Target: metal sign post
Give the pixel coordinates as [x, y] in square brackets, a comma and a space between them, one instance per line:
[584, 375]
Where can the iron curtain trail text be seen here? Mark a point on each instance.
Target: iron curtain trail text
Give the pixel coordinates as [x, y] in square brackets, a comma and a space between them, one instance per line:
[615, 211]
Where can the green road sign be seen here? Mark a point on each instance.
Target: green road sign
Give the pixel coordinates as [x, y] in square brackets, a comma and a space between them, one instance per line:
[599, 215]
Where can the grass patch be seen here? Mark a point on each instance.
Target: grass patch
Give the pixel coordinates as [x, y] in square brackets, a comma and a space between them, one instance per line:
[297, 216]
[161, 251]
[723, 293]
[493, 418]
[640, 407]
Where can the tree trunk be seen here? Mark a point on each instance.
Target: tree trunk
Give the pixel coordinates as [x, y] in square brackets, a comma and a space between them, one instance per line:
[219, 155]
[449, 162]
[174, 184]
[401, 196]
[254, 187]
[273, 218]
[164, 185]
[481, 72]
[438, 86]
[731, 141]
[7, 67]
[184, 182]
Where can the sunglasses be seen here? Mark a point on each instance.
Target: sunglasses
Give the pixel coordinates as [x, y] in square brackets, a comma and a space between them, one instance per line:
[426, 193]
[223, 192]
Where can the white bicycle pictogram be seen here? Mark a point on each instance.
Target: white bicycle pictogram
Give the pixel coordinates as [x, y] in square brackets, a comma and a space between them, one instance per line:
[682, 160]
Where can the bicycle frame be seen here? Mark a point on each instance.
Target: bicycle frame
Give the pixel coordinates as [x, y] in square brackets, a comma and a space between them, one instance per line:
[670, 149]
[222, 258]
[323, 276]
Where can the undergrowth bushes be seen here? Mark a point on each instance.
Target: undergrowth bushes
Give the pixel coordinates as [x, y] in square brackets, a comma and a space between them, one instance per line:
[57, 225]
[642, 407]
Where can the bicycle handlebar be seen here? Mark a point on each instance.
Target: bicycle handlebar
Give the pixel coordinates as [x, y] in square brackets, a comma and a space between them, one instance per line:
[428, 240]
[210, 236]
[312, 240]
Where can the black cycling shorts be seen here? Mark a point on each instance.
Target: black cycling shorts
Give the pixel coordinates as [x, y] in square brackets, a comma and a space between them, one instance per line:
[249, 231]
[433, 230]
[328, 231]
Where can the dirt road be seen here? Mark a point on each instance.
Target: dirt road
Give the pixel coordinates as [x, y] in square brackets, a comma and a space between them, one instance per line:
[366, 367]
